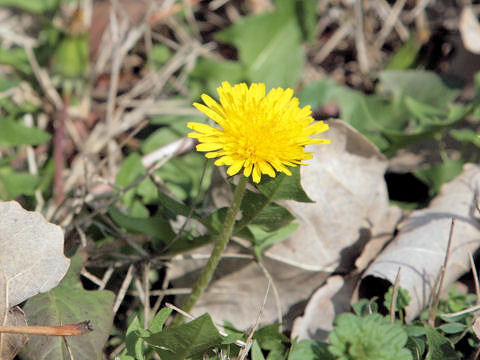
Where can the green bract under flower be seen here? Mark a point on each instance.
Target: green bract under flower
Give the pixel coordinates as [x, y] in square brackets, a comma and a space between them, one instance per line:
[263, 134]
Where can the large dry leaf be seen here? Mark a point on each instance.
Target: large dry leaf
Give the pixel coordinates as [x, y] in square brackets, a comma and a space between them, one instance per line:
[420, 247]
[470, 30]
[346, 181]
[238, 295]
[31, 253]
[325, 304]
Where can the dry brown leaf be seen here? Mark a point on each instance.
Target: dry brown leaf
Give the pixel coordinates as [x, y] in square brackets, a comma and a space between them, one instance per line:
[31, 253]
[470, 30]
[331, 299]
[238, 294]
[346, 181]
[31, 261]
[419, 249]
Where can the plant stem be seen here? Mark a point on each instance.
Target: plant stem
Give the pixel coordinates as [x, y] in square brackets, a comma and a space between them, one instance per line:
[220, 245]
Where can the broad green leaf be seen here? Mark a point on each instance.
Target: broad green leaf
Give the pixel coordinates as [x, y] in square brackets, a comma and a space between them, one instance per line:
[423, 86]
[65, 304]
[13, 184]
[187, 243]
[439, 347]
[317, 93]
[310, 350]
[270, 45]
[403, 298]
[6, 84]
[191, 339]
[270, 338]
[284, 187]
[13, 133]
[307, 19]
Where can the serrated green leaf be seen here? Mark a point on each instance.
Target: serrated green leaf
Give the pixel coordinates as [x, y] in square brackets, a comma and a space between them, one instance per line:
[439, 347]
[369, 337]
[65, 304]
[263, 39]
[13, 133]
[180, 342]
[284, 187]
[310, 350]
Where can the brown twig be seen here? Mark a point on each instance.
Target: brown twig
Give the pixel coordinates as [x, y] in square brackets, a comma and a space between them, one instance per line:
[393, 303]
[58, 152]
[438, 290]
[79, 328]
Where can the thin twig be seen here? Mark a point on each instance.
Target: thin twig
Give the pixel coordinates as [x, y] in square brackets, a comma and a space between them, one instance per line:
[79, 328]
[433, 312]
[123, 289]
[393, 302]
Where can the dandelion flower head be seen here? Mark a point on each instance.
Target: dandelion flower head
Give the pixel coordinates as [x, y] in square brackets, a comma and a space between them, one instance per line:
[261, 134]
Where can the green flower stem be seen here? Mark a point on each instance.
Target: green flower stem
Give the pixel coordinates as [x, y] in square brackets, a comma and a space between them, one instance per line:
[220, 245]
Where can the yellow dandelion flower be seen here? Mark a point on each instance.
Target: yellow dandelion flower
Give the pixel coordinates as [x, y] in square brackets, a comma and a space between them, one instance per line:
[263, 134]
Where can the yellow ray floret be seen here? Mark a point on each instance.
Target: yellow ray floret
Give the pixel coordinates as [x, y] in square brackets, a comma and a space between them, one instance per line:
[261, 134]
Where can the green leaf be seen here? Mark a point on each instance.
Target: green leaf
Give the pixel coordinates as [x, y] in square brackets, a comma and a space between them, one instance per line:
[403, 298]
[65, 304]
[13, 184]
[257, 352]
[269, 45]
[162, 137]
[452, 328]
[307, 19]
[16, 57]
[133, 342]
[310, 350]
[191, 339]
[156, 227]
[405, 57]
[423, 86]
[369, 337]
[33, 6]
[265, 239]
[6, 84]
[317, 93]
[284, 187]
[439, 347]
[70, 59]
[466, 136]
[156, 325]
[208, 74]
[13, 133]
[258, 210]
[436, 175]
